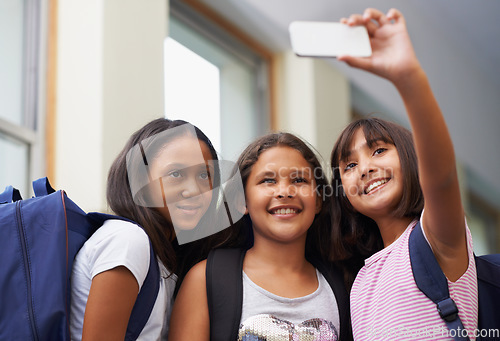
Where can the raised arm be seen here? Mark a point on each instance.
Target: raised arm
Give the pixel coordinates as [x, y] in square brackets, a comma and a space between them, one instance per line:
[190, 320]
[393, 58]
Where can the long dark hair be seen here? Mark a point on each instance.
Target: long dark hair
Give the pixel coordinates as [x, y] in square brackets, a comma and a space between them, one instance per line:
[355, 236]
[318, 235]
[160, 231]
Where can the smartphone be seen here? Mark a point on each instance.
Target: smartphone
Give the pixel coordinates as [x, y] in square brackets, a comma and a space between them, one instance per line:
[329, 39]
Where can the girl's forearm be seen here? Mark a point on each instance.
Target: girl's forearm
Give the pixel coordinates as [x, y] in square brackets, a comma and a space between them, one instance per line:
[443, 217]
[436, 157]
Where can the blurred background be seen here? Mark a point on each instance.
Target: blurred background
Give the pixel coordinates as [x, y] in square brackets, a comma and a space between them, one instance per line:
[78, 77]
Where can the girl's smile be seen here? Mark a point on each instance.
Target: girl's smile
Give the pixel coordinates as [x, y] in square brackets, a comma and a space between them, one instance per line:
[189, 209]
[373, 185]
[185, 188]
[281, 195]
[371, 176]
[285, 211]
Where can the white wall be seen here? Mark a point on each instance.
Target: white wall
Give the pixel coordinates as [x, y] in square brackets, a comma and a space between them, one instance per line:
[109, 83]
[314, 101]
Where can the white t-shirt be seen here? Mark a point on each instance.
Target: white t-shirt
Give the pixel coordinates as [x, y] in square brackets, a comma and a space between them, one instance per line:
[119, 243]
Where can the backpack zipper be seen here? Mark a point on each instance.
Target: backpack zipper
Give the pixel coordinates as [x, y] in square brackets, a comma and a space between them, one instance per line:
[27, 269]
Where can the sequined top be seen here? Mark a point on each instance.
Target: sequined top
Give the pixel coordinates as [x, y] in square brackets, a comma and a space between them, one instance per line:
[269, 317]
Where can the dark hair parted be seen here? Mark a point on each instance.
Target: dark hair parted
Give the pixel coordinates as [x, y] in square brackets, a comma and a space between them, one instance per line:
[318, 235]
[121, 201]
[354, 235]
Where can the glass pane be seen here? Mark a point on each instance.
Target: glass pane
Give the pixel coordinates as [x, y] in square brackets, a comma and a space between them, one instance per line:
[14, 164]
[192, 89]
[11, 60]
[482, 221]
[478, 230]
[239, 116]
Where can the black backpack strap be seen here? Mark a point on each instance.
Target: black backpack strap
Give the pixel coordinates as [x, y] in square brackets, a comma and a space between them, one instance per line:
[225, 292]
[334, 277]
[431, 280]
[146, 298]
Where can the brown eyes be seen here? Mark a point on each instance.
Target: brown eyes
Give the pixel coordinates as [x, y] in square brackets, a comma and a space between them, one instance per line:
[377, 151]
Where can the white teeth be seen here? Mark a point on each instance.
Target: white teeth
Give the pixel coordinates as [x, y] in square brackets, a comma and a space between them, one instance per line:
[284, 211]
[375, 185]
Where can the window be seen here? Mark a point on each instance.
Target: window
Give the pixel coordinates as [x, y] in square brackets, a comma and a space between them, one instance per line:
[19, 38]
[214, 81]
[192, 89]
[483, 221]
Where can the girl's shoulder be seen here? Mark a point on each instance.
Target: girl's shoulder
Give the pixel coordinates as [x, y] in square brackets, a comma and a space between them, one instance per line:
[220, 262]
[116, 230]
[195, 280]
[117, 243]
[197, 272]
[191, 307]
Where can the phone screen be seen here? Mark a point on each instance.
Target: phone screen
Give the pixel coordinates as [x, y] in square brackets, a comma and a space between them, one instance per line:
[329, 39]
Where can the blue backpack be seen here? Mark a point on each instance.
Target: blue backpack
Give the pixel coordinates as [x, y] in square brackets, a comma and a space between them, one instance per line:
[431, 280]
[39, 239]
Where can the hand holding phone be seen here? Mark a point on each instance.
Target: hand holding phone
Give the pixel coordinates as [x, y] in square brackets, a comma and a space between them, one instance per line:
[329, 39]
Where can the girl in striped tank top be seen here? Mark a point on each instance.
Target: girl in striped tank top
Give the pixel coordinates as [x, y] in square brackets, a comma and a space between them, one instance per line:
[381, 187]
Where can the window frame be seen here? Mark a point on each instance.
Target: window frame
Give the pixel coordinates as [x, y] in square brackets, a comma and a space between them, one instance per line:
[31, 129]
[218, 30]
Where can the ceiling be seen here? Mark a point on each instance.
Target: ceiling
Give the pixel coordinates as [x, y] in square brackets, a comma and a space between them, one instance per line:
[457, 42]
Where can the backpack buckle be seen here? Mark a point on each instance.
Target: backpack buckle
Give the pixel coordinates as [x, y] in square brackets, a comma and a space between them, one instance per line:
[447, 309]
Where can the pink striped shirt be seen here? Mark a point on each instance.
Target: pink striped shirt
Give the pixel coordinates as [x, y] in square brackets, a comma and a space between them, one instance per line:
[386, 304]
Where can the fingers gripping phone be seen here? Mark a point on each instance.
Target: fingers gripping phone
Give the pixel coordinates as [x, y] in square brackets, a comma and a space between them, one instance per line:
[329, 39]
